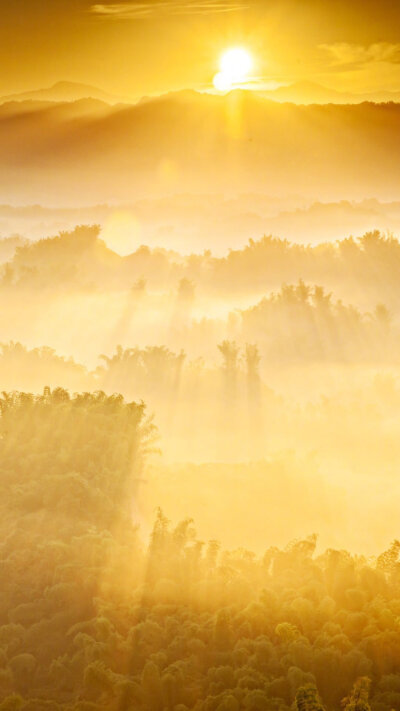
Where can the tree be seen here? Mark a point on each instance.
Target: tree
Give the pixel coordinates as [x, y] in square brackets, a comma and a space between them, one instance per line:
[230, 352]
[358, 700]
[152, 686]
[307, 699]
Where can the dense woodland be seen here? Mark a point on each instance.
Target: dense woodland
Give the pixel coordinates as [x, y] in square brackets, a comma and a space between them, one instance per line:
[203, 409]
[81, 259]
[285, 385]
[335, 301]
[94, 617]
[250, 414]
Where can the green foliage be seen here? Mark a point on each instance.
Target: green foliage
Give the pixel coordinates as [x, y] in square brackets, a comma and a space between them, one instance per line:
[92, 620]
[76, 456]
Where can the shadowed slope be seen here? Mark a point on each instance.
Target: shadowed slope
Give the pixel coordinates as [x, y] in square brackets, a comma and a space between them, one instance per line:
[197, 142]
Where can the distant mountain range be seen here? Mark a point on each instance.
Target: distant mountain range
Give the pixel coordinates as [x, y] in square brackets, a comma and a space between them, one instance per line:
[311, 93]
[63, 91]
[89, 151]
[304, 92]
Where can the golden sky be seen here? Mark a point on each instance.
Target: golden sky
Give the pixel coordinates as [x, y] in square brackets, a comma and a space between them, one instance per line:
[141, 47]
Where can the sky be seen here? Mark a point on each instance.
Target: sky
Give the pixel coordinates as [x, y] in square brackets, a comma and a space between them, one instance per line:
[145, 47]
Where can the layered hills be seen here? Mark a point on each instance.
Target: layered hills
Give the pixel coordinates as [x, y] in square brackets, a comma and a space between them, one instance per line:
[195, 142]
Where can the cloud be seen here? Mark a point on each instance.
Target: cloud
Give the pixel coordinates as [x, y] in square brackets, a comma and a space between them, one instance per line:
[347, 55]
[142, 10]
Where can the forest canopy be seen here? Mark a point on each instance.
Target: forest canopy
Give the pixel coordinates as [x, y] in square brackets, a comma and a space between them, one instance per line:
[93, 616]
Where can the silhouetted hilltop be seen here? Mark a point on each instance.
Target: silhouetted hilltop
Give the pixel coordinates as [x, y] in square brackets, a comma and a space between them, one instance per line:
[77, 258]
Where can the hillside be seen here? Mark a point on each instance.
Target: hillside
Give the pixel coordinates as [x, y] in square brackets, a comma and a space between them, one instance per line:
[192, 142]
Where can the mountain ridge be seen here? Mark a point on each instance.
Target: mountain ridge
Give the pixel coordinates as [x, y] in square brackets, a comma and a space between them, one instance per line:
[308, 92]
[303, 92]
[62, 91]
[197, 142]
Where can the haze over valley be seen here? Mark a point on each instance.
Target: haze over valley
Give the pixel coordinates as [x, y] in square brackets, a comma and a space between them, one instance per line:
[199, 355]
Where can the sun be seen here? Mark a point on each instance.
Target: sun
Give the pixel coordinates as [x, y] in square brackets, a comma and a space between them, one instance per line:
[235, 65]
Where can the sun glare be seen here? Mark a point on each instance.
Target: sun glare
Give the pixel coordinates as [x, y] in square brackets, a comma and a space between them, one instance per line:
[235, 65]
